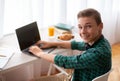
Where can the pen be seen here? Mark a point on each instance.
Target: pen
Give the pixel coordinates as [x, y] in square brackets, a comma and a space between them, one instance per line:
[2, 55]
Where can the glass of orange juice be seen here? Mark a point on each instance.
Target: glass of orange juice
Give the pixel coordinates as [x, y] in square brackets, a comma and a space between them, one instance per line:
[51, 31]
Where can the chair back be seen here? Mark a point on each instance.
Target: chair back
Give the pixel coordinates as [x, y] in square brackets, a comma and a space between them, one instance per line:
[103, 77]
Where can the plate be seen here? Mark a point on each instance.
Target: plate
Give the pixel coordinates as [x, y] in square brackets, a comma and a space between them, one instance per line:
[65, 40]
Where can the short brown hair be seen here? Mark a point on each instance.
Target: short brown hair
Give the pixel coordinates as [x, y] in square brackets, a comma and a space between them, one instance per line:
[90, 13]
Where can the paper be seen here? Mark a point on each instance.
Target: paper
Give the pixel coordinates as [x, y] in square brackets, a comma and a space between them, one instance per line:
[5, 55]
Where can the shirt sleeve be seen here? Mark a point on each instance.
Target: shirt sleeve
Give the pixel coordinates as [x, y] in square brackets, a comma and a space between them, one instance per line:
[77, 45]
[89, 59]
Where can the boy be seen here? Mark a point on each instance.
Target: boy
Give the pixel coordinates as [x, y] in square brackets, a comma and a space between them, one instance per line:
[96, 58]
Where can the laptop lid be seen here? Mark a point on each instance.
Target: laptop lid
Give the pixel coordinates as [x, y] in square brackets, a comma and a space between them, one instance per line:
[27, 35]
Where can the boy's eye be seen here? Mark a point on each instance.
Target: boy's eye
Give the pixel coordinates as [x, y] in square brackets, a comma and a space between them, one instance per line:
[88, 26]
[79, 27]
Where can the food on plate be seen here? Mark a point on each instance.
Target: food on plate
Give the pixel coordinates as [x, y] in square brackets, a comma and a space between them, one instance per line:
[66, 33]
[66, 36]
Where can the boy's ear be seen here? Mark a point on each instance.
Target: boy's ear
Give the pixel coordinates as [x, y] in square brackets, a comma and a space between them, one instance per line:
[101, 26]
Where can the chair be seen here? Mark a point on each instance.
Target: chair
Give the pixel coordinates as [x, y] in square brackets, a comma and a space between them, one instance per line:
[103, 77]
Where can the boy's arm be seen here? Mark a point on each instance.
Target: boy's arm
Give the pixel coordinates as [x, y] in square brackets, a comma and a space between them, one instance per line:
[64, 44]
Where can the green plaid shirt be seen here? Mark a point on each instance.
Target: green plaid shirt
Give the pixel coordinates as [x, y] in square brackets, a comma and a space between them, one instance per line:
[93, 62]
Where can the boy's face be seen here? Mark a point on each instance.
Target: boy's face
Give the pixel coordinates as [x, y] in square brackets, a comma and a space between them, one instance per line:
[89, 30]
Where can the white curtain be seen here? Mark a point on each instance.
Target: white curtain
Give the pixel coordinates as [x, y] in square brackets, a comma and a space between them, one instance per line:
[1, 17]
[49, 12]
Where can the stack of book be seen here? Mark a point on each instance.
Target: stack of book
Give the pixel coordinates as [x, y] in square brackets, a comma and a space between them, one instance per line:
[61, 27]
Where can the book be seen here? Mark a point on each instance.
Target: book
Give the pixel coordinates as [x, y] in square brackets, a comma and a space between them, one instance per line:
[60, 31]
[5, 56]
[64, 26]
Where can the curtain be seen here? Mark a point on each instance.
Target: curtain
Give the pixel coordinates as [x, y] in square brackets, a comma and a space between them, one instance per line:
[49, 12]
[1, 17]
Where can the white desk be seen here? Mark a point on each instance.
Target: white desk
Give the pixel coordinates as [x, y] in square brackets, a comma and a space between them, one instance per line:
[10, 41]
[19, 60]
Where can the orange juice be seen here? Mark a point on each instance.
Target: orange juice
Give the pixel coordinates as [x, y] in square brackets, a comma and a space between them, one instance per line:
[51, 31]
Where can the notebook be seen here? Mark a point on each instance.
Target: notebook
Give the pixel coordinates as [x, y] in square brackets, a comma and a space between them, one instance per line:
[5, 55]
[27, 36]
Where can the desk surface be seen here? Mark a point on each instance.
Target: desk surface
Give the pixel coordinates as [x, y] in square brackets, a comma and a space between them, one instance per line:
[19, 59]
[10, 41]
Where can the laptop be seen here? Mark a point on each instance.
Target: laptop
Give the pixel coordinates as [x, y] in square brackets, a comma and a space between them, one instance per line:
[27, 36]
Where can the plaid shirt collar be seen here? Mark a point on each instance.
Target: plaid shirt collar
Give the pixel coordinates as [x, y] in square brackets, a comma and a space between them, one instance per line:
[87, 46]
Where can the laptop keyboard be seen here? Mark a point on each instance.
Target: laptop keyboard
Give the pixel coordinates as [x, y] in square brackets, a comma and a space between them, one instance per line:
[47, 50]
[26, 51]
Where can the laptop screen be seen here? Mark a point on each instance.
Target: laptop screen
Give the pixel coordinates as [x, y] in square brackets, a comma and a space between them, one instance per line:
[27, 35]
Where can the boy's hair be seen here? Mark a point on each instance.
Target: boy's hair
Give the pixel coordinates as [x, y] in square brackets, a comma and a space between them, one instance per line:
[90, 13]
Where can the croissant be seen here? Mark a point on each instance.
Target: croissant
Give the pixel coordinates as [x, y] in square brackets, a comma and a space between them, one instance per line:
[66, 36]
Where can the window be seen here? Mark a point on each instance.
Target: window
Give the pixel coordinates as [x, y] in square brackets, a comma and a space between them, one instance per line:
[50, 12]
